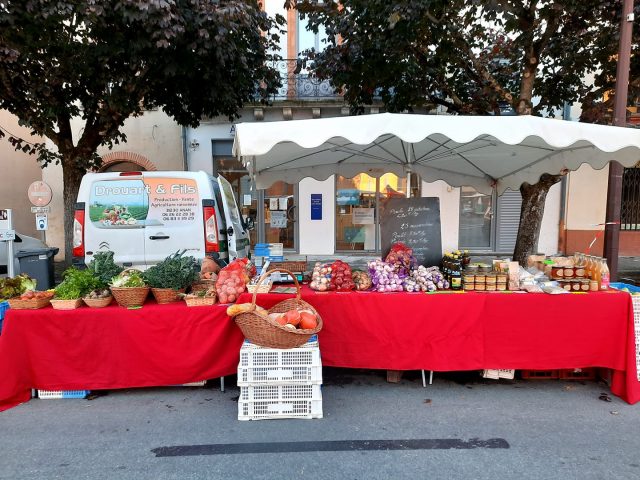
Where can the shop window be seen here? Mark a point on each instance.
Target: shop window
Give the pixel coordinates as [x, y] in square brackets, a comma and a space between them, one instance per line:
[358, 201]
[476, 219]
[630, 204]
[280, 215]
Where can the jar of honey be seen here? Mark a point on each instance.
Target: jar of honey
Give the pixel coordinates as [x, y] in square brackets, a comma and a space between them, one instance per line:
[566, 284]
[584, 285]
[501, 287]
[569, 272]
[491, 288]
[557, 272]
[575, 285]
[480, 287]
[469, 286]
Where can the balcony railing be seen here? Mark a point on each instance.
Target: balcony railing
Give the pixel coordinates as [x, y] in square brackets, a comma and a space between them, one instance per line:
[299, 85]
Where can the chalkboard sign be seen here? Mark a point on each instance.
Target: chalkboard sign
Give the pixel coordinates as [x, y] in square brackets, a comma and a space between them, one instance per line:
[414, 222]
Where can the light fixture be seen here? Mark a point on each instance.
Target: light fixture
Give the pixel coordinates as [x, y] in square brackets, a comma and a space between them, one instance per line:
[194, 145]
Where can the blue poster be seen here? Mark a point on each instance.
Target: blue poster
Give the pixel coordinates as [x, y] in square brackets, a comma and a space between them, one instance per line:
[316, 206]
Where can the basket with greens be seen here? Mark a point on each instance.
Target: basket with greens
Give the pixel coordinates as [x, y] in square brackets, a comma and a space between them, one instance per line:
[75, 285]
[129, 288]
[104, 269]
[172, 276]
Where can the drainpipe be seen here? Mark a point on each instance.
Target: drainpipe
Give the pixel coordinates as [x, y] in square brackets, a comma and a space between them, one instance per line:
[185, 150]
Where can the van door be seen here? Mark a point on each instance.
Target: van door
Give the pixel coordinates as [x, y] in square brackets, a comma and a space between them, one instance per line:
[174, 220]
[117, 212]
[237, 237]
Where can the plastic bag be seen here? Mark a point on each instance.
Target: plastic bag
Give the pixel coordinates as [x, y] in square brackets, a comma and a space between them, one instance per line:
[341, 277]
[401, 258]
[321, 277]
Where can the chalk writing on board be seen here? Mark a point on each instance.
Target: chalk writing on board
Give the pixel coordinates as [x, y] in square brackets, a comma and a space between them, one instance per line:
[416, 223]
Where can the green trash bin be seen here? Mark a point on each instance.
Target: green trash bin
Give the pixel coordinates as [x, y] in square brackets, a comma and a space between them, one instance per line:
[38, 264]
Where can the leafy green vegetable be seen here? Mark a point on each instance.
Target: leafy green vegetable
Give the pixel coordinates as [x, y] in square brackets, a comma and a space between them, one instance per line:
[176, 271]
[16, 286]
[76, 284]
[104, 267]
[128, 279]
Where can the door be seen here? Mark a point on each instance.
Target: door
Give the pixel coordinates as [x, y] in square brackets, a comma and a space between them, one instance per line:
[476, 220]
[117, 212]
[174, 220]
[237, 237]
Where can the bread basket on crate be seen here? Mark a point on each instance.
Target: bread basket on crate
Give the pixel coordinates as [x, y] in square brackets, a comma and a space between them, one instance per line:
[259, 329]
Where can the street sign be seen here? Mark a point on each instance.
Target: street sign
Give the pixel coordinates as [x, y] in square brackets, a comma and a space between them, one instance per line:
[39, 193]
[40, 209]
[7, 235]
[41, 221]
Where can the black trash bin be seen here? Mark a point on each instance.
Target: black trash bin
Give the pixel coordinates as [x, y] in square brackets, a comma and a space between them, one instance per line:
[38, 264]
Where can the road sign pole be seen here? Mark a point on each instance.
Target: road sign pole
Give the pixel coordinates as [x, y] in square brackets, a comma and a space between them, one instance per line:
[10, 254]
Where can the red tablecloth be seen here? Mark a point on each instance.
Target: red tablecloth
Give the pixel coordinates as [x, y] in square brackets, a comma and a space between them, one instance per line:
[113, 347]
[171, 344]
[472, 331]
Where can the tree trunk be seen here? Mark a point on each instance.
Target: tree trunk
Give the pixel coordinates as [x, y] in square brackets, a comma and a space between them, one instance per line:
[72, 176]
[533, 198]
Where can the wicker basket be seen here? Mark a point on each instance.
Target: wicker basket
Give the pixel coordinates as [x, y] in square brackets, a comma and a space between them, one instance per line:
[166, 295]
[130, 296]
[293, 266]
[196, 301]
[203, 285]
[98, 302]
[66, 304]
[259, 329]
[31, 304]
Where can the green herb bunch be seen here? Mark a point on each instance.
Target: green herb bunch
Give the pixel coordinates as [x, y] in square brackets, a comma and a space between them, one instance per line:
[176, 272]
[104, 268]
[76, 284]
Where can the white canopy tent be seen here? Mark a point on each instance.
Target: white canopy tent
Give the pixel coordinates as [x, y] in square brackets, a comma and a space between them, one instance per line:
[481, 152]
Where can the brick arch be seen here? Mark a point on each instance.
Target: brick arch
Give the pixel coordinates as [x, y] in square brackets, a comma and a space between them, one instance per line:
[117, 157]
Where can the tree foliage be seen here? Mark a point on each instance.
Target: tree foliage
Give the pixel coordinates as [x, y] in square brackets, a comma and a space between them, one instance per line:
[473, 57]
[107, 60]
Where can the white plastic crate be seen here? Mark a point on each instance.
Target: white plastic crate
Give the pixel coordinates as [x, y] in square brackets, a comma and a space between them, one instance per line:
[279, 366]
[280, 393]
[53, 394]
[278, 409]
[311, 343]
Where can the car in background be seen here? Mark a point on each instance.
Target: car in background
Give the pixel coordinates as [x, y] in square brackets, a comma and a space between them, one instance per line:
[22, 242]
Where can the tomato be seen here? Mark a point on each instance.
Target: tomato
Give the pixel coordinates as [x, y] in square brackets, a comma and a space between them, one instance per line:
[292, 317]
[308, 320]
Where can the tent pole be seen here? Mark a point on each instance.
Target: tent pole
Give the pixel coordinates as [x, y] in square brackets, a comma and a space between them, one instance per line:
[409, 162]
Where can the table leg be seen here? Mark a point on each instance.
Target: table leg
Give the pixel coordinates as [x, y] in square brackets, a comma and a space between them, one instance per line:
[424, 381]
[430, 377]
[222, 384]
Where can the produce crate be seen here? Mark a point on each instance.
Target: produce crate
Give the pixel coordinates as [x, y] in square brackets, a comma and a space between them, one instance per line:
[539, 374]
[293, 366]
[635, 299]
[578, 374]
[280, 402]
[4, 306]
[53, 394]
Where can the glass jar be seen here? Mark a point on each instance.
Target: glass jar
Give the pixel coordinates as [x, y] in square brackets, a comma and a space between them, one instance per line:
[575, 285]
[569, 272]
[490, 288]
[501, 287]
[491, 279]
[566, 284]
[469, 277]
[469, 286]
[557, 272]
[584, 285]
[480, 287]
[593, 285]
[481, 278]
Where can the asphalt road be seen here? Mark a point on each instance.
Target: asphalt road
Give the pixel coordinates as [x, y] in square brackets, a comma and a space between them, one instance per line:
[370, 430]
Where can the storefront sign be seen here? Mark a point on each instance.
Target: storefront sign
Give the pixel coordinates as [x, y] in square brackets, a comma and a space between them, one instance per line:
[282, 203]
[316, 206]
[246, 200]
[362, 216]
[273, 204]
[349, 196]
[278, 219]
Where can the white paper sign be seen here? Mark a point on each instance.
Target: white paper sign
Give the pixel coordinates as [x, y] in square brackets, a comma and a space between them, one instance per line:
[282, 201]
[278, 219]
[362, 216]
[273, 204]
[246, 200]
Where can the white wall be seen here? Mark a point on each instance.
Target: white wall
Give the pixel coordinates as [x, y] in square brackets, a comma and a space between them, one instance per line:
[317, 237]
[587, 198]
[200, 158]
[449, 211]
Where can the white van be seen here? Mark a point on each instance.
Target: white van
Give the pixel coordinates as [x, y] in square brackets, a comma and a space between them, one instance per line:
[145, 216]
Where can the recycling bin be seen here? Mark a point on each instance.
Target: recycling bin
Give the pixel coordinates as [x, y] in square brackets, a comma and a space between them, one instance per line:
[38, 264]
